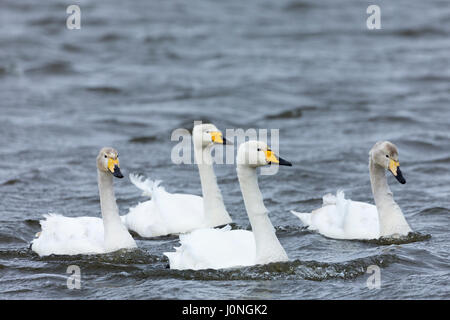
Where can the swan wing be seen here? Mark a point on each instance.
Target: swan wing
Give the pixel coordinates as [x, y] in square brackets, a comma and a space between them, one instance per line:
[69, 236]
[213, 249]
[166, 213]
[341, 218]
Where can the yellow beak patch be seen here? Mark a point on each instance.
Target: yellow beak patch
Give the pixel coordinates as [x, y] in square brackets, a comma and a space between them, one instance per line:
[270, 157]
[112, 163]
[216, 137]
[393, 165]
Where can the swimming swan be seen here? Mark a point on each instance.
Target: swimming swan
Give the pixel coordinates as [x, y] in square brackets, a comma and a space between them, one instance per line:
[346, 219]
[226, 248]
[173, 213]
[88, 235]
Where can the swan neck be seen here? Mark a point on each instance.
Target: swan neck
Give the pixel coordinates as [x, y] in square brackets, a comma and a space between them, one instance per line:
[268, 247]
[380, 188]
[390, 216]
[215, 213]
[113, 227]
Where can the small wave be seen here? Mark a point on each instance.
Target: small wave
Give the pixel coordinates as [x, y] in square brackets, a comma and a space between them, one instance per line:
[435, 211]
[110, 37]
[411, 237]
[136, 236]
[48, 21]
[159, 38]
[284, 231]
[117, 122]
[57, 67]
[392, 118]
[441, 160]
[290, 114]
[298, 5]
[32, 223]
[16, 253]
[120, 257]
[297, 269]
[70, 47]
[7, 70]
[143, 139]
[7, 238]
[10, 182]
[430, 78]
[420, 143]
[415, 33]
[104, 89]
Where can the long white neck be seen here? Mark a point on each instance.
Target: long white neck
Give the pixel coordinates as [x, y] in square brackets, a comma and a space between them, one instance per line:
[213, 207]
[116, 235]
[390, 216]
[268, 248]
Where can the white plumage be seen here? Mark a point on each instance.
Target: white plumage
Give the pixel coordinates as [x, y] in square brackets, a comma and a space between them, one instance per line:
[69, 236]
[226, 248]
[345, 219]
[213, 249]
[61, 235]
[340, 218]
[174, 213]
[166, 213]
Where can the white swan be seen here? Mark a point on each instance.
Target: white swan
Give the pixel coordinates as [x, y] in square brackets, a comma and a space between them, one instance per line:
[88, 235]
[345, 219]
[168, 213]
[226, 248]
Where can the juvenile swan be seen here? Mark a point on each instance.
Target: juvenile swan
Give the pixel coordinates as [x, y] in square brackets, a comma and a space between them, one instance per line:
[169, 213]
[345, 219]
[88, 235]
[226, 248]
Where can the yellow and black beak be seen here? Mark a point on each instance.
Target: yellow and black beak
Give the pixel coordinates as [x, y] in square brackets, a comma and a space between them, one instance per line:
[216, 137]
[272, 158]
[113, 167]
[394, 168]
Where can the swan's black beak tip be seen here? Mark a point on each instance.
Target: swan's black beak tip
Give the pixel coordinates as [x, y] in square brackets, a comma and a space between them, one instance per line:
[117, 173]
[284, 162]
[400, 177]
[225, 141]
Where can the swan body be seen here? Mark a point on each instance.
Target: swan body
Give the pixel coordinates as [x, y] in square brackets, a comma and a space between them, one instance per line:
[166, 213]
[88, 235]
[340, 218]
[226, 248]
[174, 213]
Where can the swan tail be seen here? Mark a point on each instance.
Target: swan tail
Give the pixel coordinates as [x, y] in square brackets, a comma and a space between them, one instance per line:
[330, 199]
[148, 187]
[304, 217]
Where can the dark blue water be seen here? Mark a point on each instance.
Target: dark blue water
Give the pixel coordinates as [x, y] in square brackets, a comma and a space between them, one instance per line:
[136, 71]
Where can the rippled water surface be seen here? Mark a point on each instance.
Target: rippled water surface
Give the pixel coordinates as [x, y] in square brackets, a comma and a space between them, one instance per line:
[138, 70]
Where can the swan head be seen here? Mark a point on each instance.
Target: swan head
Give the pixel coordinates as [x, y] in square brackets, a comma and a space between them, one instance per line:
[108, 161]
[256, 154]
[207, 134]
[385, 154]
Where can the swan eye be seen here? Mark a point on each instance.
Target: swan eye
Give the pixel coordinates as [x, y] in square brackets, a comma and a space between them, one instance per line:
[106, 156]
[387, 156]
[259, 149]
